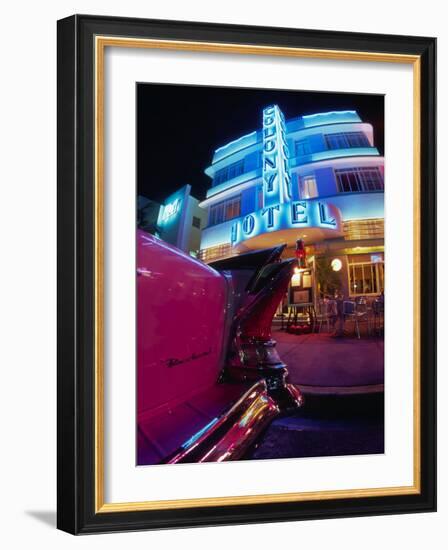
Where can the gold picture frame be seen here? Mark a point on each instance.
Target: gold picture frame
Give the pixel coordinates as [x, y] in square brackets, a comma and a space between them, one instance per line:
[80, 35]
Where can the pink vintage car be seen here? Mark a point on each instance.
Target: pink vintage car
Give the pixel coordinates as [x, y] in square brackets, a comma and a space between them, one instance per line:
[209, 377]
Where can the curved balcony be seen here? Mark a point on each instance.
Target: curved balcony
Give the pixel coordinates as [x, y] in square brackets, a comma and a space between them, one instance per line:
[329, 154]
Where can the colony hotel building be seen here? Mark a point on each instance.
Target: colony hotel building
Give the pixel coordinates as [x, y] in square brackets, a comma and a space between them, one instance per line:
[318, 177]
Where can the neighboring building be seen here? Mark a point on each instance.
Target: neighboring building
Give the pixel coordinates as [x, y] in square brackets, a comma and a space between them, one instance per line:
[317, 177]
[147, 215]
[178, 221]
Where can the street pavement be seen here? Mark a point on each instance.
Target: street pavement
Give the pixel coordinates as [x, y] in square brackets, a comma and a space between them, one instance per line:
[342, 380]
[322, 361]
[327, 425]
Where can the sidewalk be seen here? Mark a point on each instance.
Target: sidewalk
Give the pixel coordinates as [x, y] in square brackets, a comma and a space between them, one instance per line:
[320, 363]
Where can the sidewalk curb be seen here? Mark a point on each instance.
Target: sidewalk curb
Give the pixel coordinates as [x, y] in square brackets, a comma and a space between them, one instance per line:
[340, 390]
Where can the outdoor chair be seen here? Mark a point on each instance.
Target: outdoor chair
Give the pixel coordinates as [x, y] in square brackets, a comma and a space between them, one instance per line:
[378, 315]
[358, 313]
[324, 314]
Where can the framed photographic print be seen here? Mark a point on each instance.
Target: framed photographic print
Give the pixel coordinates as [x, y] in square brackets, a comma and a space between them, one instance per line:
[246, 274]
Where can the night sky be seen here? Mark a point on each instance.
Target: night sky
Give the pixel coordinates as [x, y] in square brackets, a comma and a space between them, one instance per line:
[179, 127]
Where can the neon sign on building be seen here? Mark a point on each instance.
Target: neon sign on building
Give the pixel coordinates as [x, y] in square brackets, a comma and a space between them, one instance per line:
[170, 210]
[279, 210]
[289, 215]
[276, 175]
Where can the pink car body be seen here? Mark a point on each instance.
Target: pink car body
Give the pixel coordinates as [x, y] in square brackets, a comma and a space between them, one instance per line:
[208, 377]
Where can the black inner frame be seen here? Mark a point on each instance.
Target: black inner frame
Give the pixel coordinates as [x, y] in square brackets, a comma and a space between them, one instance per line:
[76, 473]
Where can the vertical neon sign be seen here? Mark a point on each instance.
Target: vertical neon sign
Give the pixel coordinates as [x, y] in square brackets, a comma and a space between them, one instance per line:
[276, 176]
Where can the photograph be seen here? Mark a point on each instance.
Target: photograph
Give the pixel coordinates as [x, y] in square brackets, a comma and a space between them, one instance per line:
[260, 273]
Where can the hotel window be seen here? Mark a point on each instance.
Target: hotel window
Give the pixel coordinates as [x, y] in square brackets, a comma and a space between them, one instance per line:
[357, 180]
[346, 140]
[369, 228]
[302, 147]
[366, 277]
[226, 210]
[196, 222]
[307, 187]
[260, 198]
[229, 172]
[214, 253]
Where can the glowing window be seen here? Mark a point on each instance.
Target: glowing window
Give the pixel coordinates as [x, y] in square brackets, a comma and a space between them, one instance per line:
[359, 180]
[307, 187]
[346, 140]
[371, 228]
[302, 148]
[215, 253]
[229, 172]
[260, 198]
[226, 210]
[365, 277]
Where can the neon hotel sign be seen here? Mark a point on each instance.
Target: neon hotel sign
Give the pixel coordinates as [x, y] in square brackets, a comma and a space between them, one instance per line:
[279, 211]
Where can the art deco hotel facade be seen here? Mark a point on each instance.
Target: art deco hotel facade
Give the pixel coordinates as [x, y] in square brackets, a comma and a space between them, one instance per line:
[319, 178]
